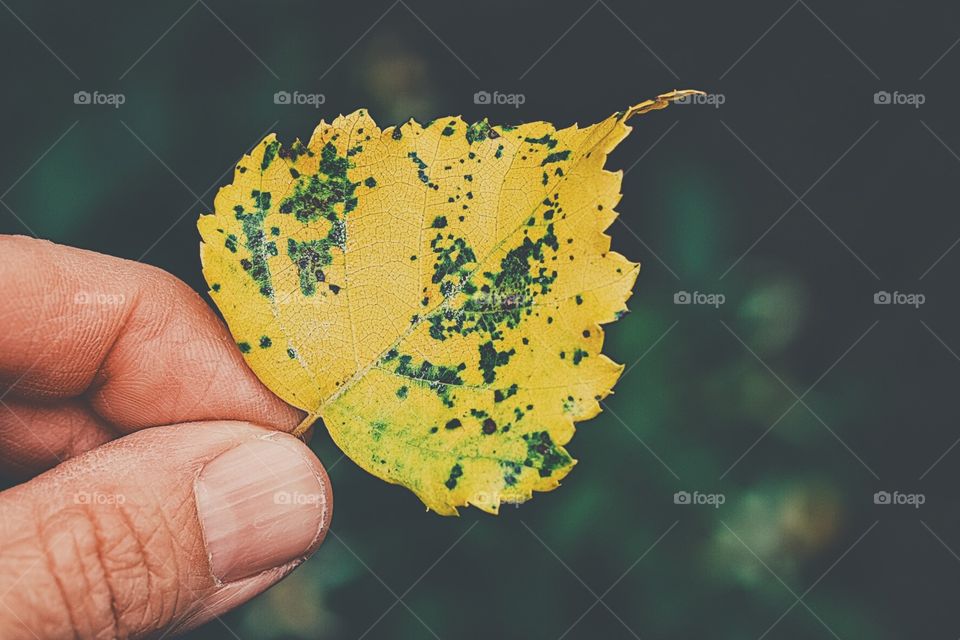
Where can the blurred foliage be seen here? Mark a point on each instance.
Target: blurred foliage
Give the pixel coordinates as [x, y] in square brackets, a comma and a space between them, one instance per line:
[693, 400]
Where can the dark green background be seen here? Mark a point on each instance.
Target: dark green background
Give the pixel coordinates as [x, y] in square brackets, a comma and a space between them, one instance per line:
[800, 504]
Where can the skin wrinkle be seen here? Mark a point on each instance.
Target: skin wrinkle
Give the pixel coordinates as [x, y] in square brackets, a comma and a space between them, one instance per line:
[33, 433]
[47, 555]
[142, 551]
[39, 326]
[201, 394]
[34, 411]
[154, 334]
[102, 556]
[56, 313]
[101, 372]
[98, 329]
[185, 511]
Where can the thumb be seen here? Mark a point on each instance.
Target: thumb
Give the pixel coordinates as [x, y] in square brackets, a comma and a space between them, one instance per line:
[163, 529]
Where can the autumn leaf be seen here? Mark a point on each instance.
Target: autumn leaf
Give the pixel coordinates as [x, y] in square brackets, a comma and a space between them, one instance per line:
[433, 292]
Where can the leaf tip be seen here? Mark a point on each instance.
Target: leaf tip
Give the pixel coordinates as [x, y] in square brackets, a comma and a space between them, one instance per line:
[662, 101]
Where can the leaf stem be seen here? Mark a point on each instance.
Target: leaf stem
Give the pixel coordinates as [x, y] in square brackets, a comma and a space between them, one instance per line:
[662, 101]
[304, 425]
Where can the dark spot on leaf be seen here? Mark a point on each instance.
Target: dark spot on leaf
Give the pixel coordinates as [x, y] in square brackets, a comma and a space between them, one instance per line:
[544, 454]
[269, 153]
[455, 472]
[490, 359]
[556, 156]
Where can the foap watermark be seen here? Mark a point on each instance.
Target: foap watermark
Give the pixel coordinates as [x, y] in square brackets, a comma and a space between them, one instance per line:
[493, 302]
[97, 98]
[899, 297]
[298, 98]
[710, 499]
[897, 98]
[699, 297]
[297, 498]
[501, 301]
[97, 297]
[492, 500]
[98, 498]
[710, 99]
[901, 499]
[498, 98]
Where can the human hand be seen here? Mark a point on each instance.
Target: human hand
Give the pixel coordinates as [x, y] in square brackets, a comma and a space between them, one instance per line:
[168, 491]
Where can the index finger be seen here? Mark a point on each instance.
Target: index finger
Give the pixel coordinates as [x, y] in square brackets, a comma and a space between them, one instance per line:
[136, 342]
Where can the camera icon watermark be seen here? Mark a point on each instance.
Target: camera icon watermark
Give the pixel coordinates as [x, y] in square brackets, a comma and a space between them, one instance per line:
[897, 498]
[714, 100]
[899, 298]
[114, 100]
[297, 98]
[698, 297]
[897, 98]
[696, 498]
[498, 98]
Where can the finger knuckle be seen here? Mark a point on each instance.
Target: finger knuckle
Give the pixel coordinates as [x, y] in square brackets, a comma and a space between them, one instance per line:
[166, 287]
[108, 569]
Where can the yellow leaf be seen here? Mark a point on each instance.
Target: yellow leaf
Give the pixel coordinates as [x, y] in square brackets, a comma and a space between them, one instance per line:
[434, 293]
